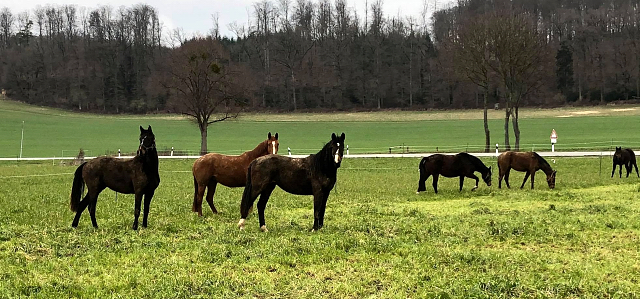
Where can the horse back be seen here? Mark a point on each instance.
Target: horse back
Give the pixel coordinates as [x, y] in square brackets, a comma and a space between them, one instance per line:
[519, 161]
[116, 174]
[631, 155]
[227, 170]
[291, 174]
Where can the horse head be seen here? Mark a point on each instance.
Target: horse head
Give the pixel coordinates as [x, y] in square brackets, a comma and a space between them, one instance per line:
[617, 156]
[272, 144]
[551, 179]
[147, 140]
[337, 148]
[486, 177]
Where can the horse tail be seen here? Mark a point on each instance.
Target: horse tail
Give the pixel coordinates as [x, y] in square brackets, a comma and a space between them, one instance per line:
[421, 166]
[77, 188]
[247, 204]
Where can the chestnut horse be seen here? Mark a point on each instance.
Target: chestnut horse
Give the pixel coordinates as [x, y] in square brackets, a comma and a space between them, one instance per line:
[528, 162]
[624, 157]
[231, 171]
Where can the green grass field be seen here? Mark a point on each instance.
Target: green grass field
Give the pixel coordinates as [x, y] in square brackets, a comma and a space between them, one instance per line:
[380, 239]
[54, 133]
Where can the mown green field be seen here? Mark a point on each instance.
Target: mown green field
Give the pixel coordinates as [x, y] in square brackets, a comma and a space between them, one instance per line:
[380, 239]
[54, 133]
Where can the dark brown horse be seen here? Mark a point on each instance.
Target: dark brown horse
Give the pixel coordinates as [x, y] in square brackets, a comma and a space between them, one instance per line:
[230, 171]
[528, 162]
[314, 175]
[461, 165]
[624, 157]
[138, 175]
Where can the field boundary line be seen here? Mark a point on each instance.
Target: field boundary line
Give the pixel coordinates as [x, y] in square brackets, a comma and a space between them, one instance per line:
[411, 155]
[34, 175]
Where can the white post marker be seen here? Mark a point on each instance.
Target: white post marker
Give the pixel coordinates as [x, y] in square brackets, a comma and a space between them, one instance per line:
[497, 153]
[289, 151]
[554, 139]
[172, 151]
[22, 137]
[118, 153]
[347, 149]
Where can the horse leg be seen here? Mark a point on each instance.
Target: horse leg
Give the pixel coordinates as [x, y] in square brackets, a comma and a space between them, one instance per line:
[500, 176]
[620, 170]
[197, 201]
[212, 190]
[628, 167]
[323, 208]
[262, 204]
[136, 211]
[81, 206]
[435, 182]
[614, 169]
[147, 201]
[506, 177]
[526, 176]
[473, 176]
[636, 166]
[533, 176]
[92, 211]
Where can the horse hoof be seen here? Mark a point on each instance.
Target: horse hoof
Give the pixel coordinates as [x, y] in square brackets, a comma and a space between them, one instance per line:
[264, 228]
[474, 188]
[241, 224]
[417, 192]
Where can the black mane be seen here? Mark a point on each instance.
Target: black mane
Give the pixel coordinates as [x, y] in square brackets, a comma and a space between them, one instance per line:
[543, 163]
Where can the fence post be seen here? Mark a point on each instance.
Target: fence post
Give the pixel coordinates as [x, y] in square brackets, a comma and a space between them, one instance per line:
[172, 151]
[347, 149]
[497, 153]
[289, 151]
[118, 153]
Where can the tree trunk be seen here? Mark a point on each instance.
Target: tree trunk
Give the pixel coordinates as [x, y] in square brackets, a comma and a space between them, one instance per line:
[507, 114]
[293, 91]
[516, 127]
[487, 136]
[203, 138]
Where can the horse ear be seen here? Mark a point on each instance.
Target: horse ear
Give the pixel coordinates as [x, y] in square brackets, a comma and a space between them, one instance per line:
[490, 168]
[333, 136]
[141, 129]
[276, 136]
[342, 137]
[269, 135]
[149, 130]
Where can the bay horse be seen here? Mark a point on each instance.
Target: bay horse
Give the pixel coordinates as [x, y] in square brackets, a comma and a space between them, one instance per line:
[461, 165]
[138, 175]
[528, 162]
[230, 171]
[624, 157]
[314, 175]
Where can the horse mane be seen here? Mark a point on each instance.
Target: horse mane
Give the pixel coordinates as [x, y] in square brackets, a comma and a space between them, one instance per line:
[475, 161]
[320, 159]
[544, 165]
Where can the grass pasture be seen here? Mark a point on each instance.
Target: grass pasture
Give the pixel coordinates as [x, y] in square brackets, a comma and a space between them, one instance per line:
[380, 239]
[54, 133]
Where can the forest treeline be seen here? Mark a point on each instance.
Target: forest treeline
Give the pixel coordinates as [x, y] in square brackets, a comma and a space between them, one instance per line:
[317, 54]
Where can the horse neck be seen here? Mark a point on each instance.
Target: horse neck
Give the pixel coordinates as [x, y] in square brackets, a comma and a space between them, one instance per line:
[546, 168]
[150, 159]
[260, 150]
[480, 167]
[323, 161]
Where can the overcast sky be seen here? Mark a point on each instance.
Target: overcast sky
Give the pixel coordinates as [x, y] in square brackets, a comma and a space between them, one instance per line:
[195, 16]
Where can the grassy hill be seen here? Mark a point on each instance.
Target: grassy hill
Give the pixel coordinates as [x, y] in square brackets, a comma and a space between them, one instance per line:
[52, 132]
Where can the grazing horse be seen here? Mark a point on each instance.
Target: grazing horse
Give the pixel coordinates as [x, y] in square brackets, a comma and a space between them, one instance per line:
[529, 162]
[314, 175]
[624, 157]
[461, 165]
[230, 171]
[138, 175]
